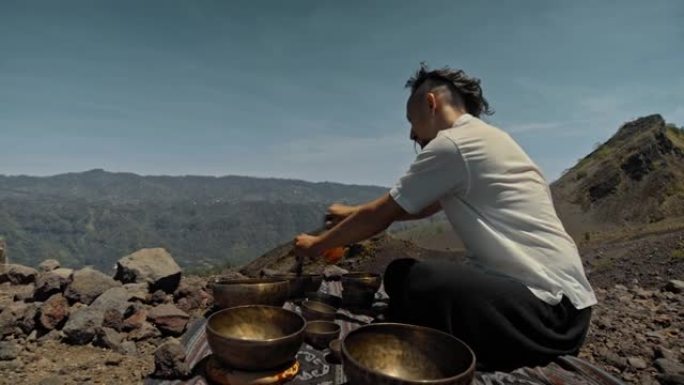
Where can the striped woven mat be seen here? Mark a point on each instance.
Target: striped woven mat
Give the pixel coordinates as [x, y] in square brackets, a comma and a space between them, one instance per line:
[315, 369]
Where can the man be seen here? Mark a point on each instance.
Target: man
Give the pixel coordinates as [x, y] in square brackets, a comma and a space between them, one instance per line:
[522, 298]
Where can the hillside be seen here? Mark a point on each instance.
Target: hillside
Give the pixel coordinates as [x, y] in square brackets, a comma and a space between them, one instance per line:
[634, 181]
[95, 217]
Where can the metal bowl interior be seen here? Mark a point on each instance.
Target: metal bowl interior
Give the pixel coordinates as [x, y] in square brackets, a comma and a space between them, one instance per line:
[407, 353]
[327, 299]
[250, 291]
[255, 337]
[319, 333]
[313, 310]
[361, 282]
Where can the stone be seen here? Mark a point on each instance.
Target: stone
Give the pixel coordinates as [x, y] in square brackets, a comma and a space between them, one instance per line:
[18, 274]
[114, 298]
[48, 284]
[674, 286]
[169, 361]
[52, 335]
[144, 332]
[25, 294]
[27, 321]
[137, 291]
[637, 363]
[49, 265]
[616, 361]
[135, 320]
[108, 338]
[670, 379]
[169, 319]
[158, 297]
[113, 319]
[666, 366]
[128, 348]
[8, 350]
[191, 296]
[87, 284]
[662, 352]
[51, 380]
[155, 266]
[64, 273]
[54, 312]
[82, 325]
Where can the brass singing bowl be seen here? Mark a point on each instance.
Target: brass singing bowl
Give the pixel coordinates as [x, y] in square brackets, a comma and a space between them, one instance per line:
[319, 333]
[299, 284]
[249, 291]
[313, 311]
[399, 354]
[255, 337]
[361, 282]
[327, 299]
[357, 299]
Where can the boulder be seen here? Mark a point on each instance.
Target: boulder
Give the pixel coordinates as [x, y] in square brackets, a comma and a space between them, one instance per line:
[28, 320]
[169, 319]
[48, 284]
[137, 291]
[87, 284]
[63, 272]
[18, 274]
[135, 319]
[108, 338]
[82, 325]
[169, 361]
[674, 286]
[54, 312]
[25, 293]
[156, 267]
[49, 265]
[11, 316]
[8, 350]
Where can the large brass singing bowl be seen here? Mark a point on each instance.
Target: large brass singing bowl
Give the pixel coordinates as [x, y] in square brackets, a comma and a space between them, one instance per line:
[399, 354]
[255, 337]
[299, 284]
[250, 291]
[361, 282]
[313, 311]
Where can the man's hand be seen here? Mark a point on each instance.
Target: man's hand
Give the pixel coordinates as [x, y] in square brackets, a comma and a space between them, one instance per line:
[307, 246]
[337, 212]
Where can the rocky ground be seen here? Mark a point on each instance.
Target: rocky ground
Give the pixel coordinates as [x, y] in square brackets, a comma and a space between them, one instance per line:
[59, 326]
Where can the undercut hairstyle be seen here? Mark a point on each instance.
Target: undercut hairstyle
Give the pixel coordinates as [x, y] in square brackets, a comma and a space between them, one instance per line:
[468, 88]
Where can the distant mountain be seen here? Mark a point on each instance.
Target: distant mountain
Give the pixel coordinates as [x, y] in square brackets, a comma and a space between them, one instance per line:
[632, 181]
[95, 217]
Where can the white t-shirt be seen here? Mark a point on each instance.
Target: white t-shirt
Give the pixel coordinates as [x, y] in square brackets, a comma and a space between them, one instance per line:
[497, 200]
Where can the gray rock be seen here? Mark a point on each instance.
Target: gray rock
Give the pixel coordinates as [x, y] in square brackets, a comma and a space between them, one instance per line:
[18, 274]
[25, 294]
[52, 380]
[87, 284]
[54, 312]
[169, 319]
[674, 286]
[156, 267]
[128, 348]
[114, 298]
[52, 335]
[169, 361]
[669, 367]
[82, 325]
[48, 284]
[144, 332]
[28, 320]
[8, 350]
[137, 291]
[108, 338]
[64, 273]
[49, 265]
[670, 379]
[637, 363]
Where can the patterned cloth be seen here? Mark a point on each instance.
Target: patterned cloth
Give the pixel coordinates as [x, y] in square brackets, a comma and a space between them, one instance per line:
[315, 368]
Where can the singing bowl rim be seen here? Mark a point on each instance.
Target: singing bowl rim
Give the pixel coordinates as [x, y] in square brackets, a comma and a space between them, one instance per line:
[345, 355]
[246, 281]
[360, 275]
[253, 342]
[328, 309]
[323, 297]
[337, 330]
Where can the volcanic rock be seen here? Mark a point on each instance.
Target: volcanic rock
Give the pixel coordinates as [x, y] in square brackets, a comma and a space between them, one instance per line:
[169, 361]
[49, 265]
[82, 325]
[53, 312]
[48, 284]
[154, 266]
[87, 284]
[18, 274]
[169, 319]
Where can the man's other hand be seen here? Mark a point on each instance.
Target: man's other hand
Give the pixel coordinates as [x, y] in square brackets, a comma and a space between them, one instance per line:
[305, 245]
[336, 213]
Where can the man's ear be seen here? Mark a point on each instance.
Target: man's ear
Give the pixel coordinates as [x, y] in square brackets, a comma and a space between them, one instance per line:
[431, 100]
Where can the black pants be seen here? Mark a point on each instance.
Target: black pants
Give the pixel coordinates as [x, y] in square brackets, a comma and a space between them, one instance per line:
[499, 318]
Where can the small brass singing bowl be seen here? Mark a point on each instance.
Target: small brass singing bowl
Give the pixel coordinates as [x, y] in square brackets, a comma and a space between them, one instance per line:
[255, 337]
[327, 299]
[386, 353]
[314, 311]
[319, 333]
[361, 282]
[335, 347]
[249, 291]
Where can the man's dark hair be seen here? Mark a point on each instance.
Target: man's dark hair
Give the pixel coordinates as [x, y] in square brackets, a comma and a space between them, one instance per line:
[467, 87]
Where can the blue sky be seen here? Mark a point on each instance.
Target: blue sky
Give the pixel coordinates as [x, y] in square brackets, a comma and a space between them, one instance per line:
[314, 89]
